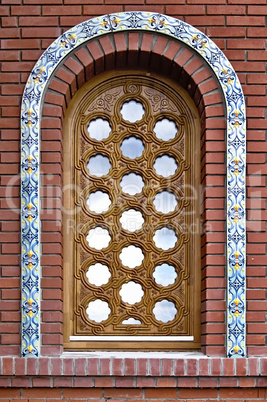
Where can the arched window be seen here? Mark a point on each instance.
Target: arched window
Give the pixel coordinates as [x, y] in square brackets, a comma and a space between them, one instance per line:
[131, 227]
[172, 48]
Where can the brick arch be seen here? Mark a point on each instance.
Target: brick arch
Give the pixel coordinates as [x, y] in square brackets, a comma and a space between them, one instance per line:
[185, 66]
[190, 69]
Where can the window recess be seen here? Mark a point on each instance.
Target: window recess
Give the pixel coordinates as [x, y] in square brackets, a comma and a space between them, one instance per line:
[131, 226]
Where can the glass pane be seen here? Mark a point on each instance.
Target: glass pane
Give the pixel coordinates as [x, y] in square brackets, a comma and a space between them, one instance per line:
[165, 238]
[131, 220]
[98, 238]
[165, 166]
[132, 147]
[165, 129]
[131, 321]
[164, 311]
[132, 184]
[98, 165]
[132, 111]
[131, 292]
[98, 202]
[98, 274]
[165, 202]
[99, 129]
[131, 256]
[98, 310]
[164, 274]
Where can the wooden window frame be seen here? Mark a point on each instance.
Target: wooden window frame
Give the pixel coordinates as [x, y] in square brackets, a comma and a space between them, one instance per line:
[72, 342]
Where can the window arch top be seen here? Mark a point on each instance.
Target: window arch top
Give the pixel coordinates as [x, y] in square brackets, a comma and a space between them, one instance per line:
[144, 236]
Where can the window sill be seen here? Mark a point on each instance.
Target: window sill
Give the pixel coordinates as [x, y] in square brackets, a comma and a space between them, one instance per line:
[133, 355]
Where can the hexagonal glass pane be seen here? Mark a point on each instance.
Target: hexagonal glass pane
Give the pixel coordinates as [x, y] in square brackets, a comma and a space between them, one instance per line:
[164, 274]
[131, 292]
[99, 129]
[165, 238]
[98, 202]
[98, 238]
[132, 147]
[165, 202]
[131, 256]
[98, 274]
[132, 184]
[164, 311]
[98, 310]
[165, 166]
[165, 129]
[132, 111]
[131, 220]
[98, 165]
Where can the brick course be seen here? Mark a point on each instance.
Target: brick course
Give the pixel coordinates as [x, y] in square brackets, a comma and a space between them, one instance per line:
[205, 91]
[238, 28]
[161, 379]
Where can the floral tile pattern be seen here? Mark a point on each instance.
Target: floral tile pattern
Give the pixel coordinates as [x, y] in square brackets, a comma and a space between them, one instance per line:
[30, 163]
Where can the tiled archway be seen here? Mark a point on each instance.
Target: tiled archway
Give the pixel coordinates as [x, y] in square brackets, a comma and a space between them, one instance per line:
[188, 62]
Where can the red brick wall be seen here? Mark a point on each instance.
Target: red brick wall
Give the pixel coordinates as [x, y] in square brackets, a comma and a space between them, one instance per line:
[28, 27]
[132, 395]
[121, 379]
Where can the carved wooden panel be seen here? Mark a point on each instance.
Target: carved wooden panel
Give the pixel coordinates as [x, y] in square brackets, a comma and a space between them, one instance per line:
[134, 251]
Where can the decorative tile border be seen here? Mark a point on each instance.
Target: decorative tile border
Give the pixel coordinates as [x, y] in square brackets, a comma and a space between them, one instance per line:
[183, 371]
[30, 163]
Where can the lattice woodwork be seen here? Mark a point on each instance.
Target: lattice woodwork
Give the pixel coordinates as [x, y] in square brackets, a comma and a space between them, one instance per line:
[159, 100]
